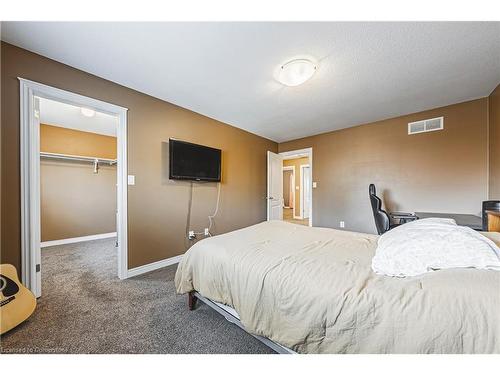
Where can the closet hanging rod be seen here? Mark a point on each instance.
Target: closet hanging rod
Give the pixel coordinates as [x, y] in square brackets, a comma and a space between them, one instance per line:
[51, 155]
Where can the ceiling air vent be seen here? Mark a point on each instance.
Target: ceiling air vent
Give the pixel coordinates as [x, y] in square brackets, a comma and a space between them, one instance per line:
[426, 125]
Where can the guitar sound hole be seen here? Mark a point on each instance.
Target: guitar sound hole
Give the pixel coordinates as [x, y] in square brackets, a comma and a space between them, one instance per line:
[8, 287]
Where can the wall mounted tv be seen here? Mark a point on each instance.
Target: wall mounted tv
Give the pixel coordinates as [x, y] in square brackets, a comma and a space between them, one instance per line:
[189, 161]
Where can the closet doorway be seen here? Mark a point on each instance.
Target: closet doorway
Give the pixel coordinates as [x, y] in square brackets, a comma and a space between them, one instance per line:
[77, 174]
[74, 182]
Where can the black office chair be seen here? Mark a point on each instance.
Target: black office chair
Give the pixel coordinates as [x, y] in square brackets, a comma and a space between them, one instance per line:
[382, 218]
[489, 206]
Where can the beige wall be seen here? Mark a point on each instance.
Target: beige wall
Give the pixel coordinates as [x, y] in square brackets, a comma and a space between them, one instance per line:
[157, 207]
[74, 142]
[494, 137]
[296, 163]
[441, 171]
[74, 201]
[287, 175]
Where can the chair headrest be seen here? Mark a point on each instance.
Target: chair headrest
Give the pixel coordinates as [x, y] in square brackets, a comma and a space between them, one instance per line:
[376, 202]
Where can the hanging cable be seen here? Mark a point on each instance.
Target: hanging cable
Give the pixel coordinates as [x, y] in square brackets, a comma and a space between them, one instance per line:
[211, 217]
[188, 219]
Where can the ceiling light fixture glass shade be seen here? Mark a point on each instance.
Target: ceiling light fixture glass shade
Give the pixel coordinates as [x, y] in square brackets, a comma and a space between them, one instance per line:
[296, 72]
[87, 112]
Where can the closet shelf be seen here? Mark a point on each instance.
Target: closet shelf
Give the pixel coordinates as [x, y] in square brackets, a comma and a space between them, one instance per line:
[51, 155]
[94, 160]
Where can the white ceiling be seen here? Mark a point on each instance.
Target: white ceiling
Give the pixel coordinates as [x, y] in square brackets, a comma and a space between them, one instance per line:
[366, 71]
[68, 116]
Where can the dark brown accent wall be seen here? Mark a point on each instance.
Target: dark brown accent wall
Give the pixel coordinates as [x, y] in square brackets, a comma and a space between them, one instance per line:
[441, 171]
[157, 207]
[494, 149]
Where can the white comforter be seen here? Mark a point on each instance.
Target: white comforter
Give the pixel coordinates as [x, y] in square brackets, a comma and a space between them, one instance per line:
[433, 244]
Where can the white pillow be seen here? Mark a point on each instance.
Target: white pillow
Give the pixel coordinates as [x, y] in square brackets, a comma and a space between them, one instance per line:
[431, 244]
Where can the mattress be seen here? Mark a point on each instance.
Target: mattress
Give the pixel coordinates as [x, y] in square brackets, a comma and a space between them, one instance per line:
[312, 290]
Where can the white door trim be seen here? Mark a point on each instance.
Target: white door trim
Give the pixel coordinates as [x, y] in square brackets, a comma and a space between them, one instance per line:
[153, 266]
[309, 152]
[302, 190]
[66, 241]
[302, 151]
[30, 173]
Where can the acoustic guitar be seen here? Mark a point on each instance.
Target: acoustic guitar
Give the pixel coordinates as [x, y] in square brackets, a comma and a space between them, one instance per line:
[16, 302]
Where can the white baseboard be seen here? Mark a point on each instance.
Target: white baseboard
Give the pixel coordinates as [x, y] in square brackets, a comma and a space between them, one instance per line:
[77, 239]
[153, 266]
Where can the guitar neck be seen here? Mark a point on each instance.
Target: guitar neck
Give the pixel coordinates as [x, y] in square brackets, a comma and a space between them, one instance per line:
[7, 300]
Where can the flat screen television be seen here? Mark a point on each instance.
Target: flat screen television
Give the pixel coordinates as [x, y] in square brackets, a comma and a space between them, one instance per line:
[189, 161]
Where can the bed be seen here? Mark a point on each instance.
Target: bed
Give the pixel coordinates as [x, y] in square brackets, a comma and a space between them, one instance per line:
[312, 290]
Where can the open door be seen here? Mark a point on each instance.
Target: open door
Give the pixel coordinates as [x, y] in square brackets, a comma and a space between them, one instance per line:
[274, 186]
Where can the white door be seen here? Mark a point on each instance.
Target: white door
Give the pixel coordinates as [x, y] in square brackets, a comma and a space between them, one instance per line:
[306, 191]
[36, 232]
[274, 186]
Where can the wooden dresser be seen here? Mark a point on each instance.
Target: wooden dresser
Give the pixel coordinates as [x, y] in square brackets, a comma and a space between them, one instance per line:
[493, 221]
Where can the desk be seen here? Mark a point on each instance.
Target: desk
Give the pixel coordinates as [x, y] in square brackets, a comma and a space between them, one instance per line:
[471, 221]
[493, 221]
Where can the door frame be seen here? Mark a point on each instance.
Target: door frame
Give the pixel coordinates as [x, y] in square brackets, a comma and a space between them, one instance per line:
[30, 174]
[309, 152]
[302, 190]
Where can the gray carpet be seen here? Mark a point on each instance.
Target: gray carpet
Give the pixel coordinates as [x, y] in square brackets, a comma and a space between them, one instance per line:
[85, 308]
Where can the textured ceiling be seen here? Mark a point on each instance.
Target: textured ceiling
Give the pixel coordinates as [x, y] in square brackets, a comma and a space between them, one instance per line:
[366, 71]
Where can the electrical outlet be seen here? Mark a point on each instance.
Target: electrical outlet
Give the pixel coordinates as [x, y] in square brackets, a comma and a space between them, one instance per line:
[342, 224]
[191, 235]
[207, 233]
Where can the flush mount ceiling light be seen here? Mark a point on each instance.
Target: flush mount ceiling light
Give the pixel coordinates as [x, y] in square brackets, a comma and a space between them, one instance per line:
[296, 72]
[87, 112]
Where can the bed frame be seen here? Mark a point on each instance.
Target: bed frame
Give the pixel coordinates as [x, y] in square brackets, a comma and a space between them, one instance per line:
[232, 316]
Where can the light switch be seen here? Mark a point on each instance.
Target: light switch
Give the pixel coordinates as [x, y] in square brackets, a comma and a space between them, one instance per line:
[315, 185]
[297, 187]
[131, 179]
